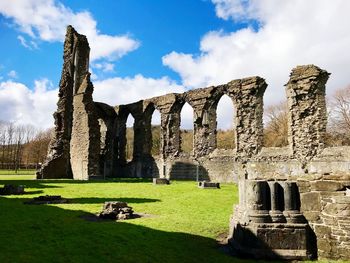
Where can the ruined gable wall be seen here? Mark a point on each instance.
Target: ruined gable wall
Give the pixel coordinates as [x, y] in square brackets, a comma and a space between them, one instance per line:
[74, 149]
[57, 164]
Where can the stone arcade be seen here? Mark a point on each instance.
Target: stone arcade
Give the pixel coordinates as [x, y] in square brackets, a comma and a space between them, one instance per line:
[292, 201]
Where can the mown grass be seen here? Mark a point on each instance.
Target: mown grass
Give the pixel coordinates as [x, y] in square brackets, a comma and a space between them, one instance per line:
[183, 225]
[18, 172]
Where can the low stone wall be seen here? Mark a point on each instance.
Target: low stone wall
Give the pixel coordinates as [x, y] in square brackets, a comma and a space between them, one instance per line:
[326, 206]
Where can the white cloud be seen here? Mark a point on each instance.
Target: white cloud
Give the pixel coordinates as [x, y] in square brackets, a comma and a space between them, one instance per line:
[12, 74]
[47, 20]
[22, 105]
[116, 91]
[291, 33]
[235, 9]
[23, 41]
[27, 44]
[104, 66]
[131, 89]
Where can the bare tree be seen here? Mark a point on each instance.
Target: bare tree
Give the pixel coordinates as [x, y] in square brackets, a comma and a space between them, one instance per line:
[276, 125]
[35, 150]
[339, 117]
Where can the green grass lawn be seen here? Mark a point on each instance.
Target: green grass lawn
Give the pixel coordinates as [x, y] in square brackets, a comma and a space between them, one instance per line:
[19, 172]
[184, 223]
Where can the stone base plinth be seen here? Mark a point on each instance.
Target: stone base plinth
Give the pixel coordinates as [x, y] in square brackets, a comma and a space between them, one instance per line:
[272, 241]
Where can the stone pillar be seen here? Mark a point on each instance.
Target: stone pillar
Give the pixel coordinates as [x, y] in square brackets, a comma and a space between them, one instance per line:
[291, 206]
[170, 133]
[121, 134]
[248, 98]
[307, 111]
[85, 139]
[139, 138]
[204, 131]
[148, 140]
[276, 202]
[257, 201]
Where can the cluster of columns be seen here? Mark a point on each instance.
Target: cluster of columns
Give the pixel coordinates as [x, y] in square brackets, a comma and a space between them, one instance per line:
[273, 202]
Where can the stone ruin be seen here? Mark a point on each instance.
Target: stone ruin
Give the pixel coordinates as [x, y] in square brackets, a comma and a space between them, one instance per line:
[116, 210]
[292, 200]
[10, 189]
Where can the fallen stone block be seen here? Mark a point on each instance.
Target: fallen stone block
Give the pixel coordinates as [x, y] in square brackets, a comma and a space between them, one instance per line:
[160, 181]
[208, 185]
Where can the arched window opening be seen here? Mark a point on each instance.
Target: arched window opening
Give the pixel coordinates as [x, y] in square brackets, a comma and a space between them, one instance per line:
[276, 125]
[225, 136]
[129, 148]
[186, 129]
[155, 124]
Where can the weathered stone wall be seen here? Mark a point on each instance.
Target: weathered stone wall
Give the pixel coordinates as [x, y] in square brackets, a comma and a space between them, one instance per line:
[57, 164]
[326, 206]
[74, 148]
[85, 139]
[307, 111]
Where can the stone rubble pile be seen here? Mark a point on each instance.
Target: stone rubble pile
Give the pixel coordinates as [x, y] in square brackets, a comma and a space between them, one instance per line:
[10, 189]
[116, 211]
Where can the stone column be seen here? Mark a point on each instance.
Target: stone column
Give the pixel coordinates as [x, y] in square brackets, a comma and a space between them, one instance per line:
[204, 132]
[291, 209]
[148, 140]
[257, 198]
[248, 99]
[276, 203]
[307, 111]
[139, 138]
[121, 135]
[170, 134]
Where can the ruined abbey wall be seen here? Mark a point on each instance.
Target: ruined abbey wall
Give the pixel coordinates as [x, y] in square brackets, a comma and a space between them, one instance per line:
[292, 193]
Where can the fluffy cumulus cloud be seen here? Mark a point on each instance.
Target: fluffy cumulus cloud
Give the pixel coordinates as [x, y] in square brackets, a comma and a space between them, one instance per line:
[47, 19]
[290, 33]
[12, 74]
[131, 89]
[22, 105]
[117, 90]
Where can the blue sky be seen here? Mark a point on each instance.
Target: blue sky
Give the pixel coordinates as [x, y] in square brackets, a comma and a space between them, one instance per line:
[160, 27]
[149, 48]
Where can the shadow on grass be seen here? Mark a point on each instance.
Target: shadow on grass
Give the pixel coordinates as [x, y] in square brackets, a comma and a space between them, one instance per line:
[47, 233]
[33, 192]
[29, 183]
[55, 183]
[96, 200]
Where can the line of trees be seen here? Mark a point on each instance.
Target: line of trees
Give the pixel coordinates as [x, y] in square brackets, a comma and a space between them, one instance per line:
[22, 146]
